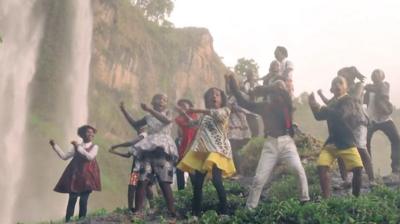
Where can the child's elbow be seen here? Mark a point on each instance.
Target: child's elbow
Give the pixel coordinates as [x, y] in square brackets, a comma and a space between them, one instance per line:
[90, 158]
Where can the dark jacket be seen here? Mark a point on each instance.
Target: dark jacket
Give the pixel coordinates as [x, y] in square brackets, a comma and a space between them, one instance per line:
[277, 115]
[342, 116]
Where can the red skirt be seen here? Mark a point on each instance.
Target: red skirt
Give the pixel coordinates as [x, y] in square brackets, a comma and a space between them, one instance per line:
[79, 176]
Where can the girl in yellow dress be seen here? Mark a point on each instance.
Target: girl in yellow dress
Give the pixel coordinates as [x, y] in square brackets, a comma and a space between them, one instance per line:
[210, 152]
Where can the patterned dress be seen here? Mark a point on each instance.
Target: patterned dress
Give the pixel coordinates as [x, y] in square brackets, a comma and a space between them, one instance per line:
[157, 153]
[159, 136]
[211, 145]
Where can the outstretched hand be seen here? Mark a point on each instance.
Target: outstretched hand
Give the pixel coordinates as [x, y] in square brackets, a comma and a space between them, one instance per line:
[74, 143]
[361, 78]
[190, 110]
[312, 101]
[144, 107]
[122, 105]
[179, 109]
[111, 149]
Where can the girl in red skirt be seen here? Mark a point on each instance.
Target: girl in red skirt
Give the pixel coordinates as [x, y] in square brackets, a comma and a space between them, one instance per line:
[82, 175]
[187, 132]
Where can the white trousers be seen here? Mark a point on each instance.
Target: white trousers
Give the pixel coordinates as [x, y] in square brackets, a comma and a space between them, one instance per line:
[276, 150]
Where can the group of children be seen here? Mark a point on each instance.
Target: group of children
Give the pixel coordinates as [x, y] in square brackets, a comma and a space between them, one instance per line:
[351, 126]
[207, 137]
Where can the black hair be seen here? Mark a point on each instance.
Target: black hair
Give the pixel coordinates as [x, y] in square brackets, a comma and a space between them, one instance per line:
[187, 101]
[82, 130]
[156, 96]
[282, 50]
[349, 73]
[208, 93]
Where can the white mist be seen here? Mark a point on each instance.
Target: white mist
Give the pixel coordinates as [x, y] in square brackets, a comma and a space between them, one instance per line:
[21, 32]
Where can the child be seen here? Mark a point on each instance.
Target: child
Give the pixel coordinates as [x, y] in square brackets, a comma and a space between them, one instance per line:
[239, 132]
[82, 175]
[133, 180]
[379, 109]
[341, 117]
[210, 152]
[187, 133]
[355, 90]
[279, 146]
[273, 75]
[286, 67]
[157, 151]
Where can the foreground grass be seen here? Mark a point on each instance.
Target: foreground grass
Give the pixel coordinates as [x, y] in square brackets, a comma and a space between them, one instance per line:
[381, 205]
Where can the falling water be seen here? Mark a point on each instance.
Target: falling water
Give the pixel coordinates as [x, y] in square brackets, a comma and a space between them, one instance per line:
[78, 77]
[21, 32]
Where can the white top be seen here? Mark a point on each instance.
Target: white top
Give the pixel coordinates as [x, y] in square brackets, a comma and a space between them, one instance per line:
[81, 150]
[372, 113]
[284, 66]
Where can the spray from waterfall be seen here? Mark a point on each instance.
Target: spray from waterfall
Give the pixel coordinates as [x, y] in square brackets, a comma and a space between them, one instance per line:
[78, 77]
[21, 33]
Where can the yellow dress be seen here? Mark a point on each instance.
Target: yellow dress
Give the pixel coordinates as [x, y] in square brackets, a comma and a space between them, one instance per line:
[210, 146]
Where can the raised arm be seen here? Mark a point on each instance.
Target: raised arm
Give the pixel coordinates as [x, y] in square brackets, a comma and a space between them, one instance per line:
[323, 97]
[159, 116]
[127, 116]
[249, 105]
[125, 144]
[200, 111]
[320, 113]
[184, 114]
[63, 155]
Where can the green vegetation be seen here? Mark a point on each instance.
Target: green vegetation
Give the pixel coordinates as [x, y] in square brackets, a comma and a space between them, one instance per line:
[381, 205]
[155, 10]
[244, 66]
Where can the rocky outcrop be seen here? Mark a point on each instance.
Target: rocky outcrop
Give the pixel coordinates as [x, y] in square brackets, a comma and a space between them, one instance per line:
[133, 59]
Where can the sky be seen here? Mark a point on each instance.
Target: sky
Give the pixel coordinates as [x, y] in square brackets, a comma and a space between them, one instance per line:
[321, 36]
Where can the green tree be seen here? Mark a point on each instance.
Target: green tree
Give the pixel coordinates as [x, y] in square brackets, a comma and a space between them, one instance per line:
[155, 10]
[244, 65]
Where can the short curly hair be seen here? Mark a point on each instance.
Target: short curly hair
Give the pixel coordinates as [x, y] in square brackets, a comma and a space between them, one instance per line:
[283, 50]
[208, 93]
[82, 130]
[187, 101]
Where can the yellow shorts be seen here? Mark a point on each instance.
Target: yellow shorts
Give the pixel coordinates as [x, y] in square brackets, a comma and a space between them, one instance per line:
[350, 156]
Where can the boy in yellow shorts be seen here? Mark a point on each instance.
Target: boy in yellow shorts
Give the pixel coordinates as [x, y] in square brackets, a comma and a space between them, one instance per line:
[341, 116]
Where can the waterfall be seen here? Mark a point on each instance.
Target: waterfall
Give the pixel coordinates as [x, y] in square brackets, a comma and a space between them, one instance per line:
[21, 32]
[78, 77]
[21, 28]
